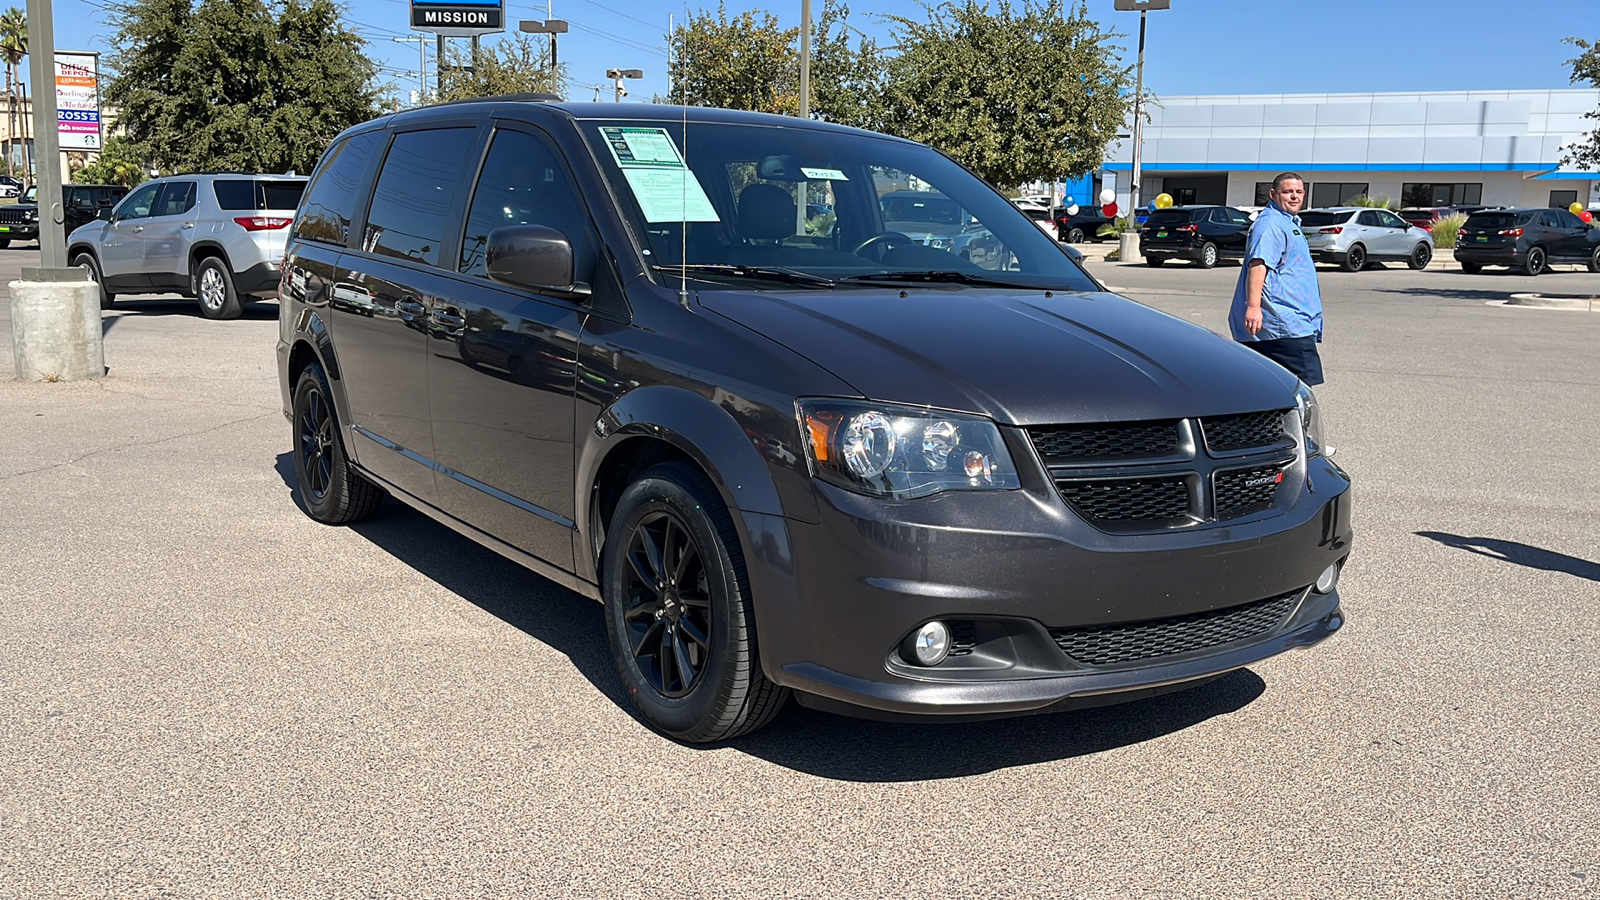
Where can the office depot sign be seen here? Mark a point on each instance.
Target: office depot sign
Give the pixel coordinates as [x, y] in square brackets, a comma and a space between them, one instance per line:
[78, 100]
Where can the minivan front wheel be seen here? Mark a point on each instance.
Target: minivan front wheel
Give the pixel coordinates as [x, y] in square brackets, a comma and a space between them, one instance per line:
[213, 285]
[333, 492]
[678, 613]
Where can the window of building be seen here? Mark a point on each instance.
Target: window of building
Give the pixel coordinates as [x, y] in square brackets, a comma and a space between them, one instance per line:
[1563, 199]
[1335, 193]
[415, 194]
[1424, 193]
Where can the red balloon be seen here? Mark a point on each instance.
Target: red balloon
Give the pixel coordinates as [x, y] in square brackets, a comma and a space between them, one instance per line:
[1586, 216]
[1110, 209]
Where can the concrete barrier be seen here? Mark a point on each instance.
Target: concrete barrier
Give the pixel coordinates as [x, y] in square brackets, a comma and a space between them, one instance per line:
[55, 329]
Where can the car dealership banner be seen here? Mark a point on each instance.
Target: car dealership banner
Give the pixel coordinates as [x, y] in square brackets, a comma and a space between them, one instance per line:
[458, 17]
[78, 100]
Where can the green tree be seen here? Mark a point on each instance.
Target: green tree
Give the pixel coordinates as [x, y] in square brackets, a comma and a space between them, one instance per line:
[236, 84]
[1020, 94]
[14, 47]
[1585, 154]
[515, 66]
[119, 163]
[748, 62]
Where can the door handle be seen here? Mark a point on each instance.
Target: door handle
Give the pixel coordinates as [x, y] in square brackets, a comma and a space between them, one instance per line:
[448, 318]
[138, 228]
[409, 309]
[188, 225]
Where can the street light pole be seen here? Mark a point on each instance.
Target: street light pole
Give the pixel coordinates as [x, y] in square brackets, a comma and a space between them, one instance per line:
[551, 27]
[805, 59]
[618, 75]
[422, 64]
[1144, 7]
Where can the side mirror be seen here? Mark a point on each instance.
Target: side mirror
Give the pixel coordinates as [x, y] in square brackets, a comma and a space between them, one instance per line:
[534, 257]
[103, 214]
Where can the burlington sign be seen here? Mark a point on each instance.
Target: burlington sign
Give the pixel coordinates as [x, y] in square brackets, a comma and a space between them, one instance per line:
[459, 17]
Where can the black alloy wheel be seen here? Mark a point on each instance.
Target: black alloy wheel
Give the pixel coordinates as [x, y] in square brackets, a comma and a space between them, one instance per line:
[1075, 235]
[1356, 259]
[1421, 255]
[1208, 255]
[1535, 263]
[1154, 262]
[1471, 268]
[678, 613]
[1594, 259]
[333, 492]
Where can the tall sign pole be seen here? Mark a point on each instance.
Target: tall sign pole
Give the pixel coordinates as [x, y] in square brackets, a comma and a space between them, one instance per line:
[46, 134]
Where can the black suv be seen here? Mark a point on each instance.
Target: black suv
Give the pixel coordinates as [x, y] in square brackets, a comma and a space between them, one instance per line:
[790, 455]
[81, 204]
[1527, 240]
[1085, 225]
[1203, 234]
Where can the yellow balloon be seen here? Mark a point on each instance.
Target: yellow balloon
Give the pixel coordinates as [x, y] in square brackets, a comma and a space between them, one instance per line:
[1163, 201]
[1576, 207]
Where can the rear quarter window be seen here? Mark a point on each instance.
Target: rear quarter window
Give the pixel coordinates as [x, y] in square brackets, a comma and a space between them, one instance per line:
[330, 200]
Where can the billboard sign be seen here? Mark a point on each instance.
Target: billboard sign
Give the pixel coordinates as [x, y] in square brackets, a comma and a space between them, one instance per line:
[458, 17]
[78, 100]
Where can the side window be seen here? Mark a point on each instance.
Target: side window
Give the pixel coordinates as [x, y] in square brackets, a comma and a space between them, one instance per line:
[79, 198]
[138, 204]
[415, 193]
[1568, 220]
[1390, 220]
[524, 183]
[177, 198]
[1549, 220]
[1369, 217]
[330, 201]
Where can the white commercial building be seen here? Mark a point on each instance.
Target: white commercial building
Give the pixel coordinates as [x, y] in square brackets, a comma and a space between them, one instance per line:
[1499, 148]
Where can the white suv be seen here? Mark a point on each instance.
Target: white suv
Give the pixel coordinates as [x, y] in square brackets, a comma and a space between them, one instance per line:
[217, 237]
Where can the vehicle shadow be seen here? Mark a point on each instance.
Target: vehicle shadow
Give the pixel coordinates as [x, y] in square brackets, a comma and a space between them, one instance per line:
[1433, 293]
[1518, 553]
[257, 311]
[816, 743]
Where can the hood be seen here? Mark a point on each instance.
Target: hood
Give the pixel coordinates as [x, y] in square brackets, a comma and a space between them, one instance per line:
[1016, 356]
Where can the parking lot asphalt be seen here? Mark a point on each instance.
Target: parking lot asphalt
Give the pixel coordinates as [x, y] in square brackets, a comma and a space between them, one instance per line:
[207, 694]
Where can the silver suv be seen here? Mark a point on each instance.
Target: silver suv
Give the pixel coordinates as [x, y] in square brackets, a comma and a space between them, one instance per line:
[1354, 237]
[217, 237]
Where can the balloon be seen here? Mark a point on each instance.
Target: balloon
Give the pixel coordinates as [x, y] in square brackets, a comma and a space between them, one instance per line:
[1070, 201]
[1072, 209]
[1586, 216]
[1108, 196]
[1163, 200]
[1576, 207]
[1110, 209]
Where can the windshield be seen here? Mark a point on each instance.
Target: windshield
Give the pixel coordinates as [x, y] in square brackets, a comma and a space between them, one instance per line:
[874, 208]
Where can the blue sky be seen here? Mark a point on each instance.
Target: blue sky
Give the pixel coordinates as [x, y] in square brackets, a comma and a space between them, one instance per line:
[1197, 47]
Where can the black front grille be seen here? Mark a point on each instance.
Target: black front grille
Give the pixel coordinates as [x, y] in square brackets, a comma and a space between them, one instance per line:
[1109, 645]
[1128, 499]
[1106, 441]
[1242, 432]
[13, 217]
[1243, 491]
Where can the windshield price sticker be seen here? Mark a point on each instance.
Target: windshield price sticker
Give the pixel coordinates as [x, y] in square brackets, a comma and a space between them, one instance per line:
[665, 188]
[823, 174]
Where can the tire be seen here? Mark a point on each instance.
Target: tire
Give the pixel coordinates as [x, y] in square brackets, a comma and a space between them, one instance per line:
[333, 492]
[1535, 263]
[1355, 259]
[1420, 256]
[678, 612]
[1471, 268]
[1075, 235]
[213, 287]
[1594, 259]
[1208, 256]
[4, 243]
[1154, 262]
[86, 261]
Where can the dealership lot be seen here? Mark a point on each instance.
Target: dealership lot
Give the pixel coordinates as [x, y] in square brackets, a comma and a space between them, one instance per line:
[206, 693]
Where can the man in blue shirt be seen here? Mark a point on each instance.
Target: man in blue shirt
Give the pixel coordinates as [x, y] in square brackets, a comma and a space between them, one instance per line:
[1277, 307]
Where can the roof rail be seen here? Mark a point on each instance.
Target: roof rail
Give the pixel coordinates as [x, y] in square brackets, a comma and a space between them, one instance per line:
[525, 97]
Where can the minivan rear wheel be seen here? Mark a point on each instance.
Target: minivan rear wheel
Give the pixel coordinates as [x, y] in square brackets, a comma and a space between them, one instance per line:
[678, 613]
[333, 492]
[213, 285]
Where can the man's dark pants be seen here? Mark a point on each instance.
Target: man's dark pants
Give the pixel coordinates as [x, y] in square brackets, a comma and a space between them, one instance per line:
[1297, 354]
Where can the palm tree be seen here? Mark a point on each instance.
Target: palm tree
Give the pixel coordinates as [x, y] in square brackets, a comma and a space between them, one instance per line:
[13, 46]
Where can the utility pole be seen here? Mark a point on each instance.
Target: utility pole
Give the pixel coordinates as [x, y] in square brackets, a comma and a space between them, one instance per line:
[422, 64]
[805, 59]
[1144, 7]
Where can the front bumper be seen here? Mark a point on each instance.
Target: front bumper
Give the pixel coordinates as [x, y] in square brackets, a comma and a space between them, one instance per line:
[870, 572]
[28, 232]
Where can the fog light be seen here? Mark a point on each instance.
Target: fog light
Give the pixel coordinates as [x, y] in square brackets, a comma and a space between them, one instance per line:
[1326, 581]
[931, 644]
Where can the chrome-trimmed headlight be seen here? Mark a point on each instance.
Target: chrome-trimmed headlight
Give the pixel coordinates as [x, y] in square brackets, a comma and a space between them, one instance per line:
[885, 450]
[1309, 419]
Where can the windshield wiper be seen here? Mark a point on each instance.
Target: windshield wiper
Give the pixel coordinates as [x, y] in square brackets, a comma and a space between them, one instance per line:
[757, 273]
[946, 277]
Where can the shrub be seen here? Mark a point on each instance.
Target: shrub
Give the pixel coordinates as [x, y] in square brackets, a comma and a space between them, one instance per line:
[1446, 229]
[1381, 201]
